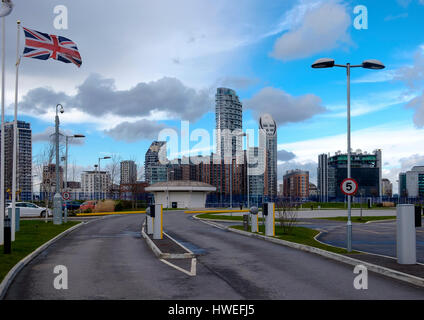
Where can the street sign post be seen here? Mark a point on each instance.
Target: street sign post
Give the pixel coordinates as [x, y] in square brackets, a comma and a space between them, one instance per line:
[349, 186]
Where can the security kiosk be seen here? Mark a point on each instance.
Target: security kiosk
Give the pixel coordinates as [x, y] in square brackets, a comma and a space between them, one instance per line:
[406, 242]
[254, 219]
[157, 221]
[268, 212]
[149, 223]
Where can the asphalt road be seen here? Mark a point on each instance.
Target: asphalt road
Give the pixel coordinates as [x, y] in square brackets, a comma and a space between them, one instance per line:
[376, 237]
[107, 259]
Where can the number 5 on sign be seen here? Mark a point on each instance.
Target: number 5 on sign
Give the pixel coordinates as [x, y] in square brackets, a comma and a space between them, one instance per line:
[349, 186]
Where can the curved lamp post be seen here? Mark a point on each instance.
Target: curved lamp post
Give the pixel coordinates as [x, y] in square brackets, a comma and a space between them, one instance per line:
[367, 64]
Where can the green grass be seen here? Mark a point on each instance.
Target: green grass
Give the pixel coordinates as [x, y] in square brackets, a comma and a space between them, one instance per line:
[359, 219]
[301, 235]
[32, 234]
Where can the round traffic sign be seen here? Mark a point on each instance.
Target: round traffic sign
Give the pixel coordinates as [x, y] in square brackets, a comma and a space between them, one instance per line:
[349, 186]
[66, 195]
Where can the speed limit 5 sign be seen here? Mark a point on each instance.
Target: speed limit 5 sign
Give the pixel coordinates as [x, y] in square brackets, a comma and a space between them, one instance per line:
[349, 186]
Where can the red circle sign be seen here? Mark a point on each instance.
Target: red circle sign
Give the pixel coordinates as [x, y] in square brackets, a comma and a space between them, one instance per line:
[349, 186]
[66, 196]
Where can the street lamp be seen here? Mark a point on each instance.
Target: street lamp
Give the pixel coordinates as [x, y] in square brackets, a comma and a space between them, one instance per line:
[98, 173]
[367, 64]
[57, 200]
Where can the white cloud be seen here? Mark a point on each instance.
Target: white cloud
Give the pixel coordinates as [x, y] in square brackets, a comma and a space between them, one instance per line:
[323, 28]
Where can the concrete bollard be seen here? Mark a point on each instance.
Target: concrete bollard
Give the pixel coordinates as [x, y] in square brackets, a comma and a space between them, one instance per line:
[158, 222]
[268, 212]
[254, 219]
[406, 243]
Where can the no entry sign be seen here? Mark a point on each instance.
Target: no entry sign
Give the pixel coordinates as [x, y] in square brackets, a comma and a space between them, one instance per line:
[349, 186]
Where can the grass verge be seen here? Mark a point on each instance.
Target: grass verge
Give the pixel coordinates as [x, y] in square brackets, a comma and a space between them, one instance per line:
[359, 219]
[32, 234]
[301, 235]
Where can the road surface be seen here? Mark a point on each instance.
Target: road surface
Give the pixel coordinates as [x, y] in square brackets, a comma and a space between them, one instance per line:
[107, 259]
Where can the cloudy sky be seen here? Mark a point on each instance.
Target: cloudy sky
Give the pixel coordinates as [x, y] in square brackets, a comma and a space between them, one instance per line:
[147, 65]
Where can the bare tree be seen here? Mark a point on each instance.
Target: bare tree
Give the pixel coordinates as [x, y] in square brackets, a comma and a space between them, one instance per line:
[287, 215]
[42, 160]
[114, 168]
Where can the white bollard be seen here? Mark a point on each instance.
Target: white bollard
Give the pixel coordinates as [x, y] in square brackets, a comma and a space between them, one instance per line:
[268, 213]
[254, 219]
[158, 222]
[406, 243]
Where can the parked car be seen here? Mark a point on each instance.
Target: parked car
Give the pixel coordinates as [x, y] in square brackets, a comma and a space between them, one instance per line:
[88, 205]
[71, 205]
[28, 209]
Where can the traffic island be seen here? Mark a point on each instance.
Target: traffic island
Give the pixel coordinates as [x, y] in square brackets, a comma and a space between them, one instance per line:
[171, 252]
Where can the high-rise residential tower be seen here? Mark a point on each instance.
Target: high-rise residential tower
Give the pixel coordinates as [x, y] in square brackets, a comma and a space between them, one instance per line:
[155, 171]
[228, 117]
[24, 159]
[128, 172]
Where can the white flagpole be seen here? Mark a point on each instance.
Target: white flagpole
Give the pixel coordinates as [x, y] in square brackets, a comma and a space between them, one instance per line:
[15, 138]
[2, 200]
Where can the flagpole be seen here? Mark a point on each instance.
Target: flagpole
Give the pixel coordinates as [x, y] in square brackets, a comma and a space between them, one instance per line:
[15, 137]
[2, 200]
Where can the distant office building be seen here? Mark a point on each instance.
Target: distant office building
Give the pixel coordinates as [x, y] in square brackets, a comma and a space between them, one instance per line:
[228, 117]
[268, 126]
[128, 172]
[95, 182]
[402, 185]
[155, 171]
[322, 179]
[296, 184]
[415, 182]
[24, 159]
[387, 188]
[366, 169]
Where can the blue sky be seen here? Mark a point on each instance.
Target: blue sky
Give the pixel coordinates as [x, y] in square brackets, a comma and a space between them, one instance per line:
[160, 63]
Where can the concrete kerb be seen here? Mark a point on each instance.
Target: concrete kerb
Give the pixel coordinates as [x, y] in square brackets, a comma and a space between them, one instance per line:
[164, 255]
[330, 255]
[8, 279]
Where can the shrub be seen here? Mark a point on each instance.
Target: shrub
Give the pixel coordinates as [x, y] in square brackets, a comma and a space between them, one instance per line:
[87, 210]
[119, 206]
[105, 206]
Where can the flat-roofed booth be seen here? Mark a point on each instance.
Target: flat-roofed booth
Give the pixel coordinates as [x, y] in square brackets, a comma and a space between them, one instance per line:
[180, 193]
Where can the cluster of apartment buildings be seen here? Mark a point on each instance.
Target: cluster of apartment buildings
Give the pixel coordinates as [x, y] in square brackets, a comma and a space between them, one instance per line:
[236, 173]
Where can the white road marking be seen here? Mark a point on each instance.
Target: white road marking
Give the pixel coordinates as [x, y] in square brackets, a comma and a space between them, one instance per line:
[192, 271]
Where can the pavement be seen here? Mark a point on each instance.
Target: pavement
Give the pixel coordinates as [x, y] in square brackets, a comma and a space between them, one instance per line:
[108, 259]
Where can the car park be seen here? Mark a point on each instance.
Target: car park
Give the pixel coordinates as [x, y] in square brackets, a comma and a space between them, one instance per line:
[71, 205]
[88, 205]
[28, 209]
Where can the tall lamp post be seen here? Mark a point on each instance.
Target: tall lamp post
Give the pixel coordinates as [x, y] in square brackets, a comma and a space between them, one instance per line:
[57, 200]
[66, 169]
[367, 64]
[98, 168]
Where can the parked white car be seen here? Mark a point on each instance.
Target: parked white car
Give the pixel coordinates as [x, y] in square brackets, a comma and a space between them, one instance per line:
[28, 209]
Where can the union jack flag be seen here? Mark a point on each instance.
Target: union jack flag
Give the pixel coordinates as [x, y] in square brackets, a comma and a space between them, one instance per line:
[39, 45]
